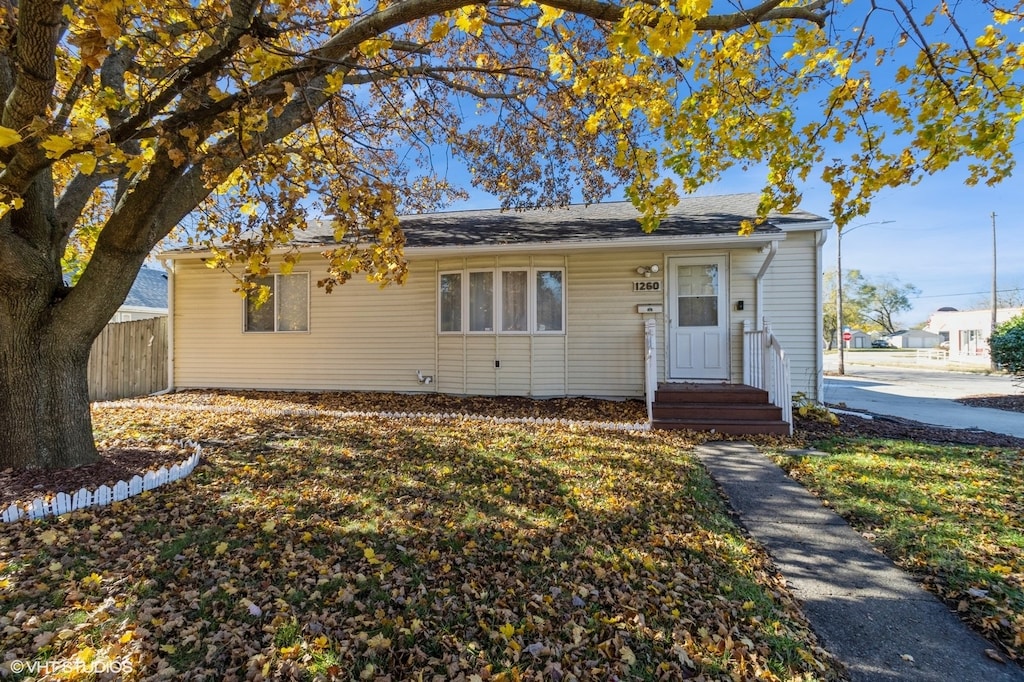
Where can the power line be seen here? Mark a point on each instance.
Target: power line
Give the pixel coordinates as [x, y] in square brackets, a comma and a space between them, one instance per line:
[966, 293]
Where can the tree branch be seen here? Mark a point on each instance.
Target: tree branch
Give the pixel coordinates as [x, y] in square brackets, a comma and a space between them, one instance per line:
[813, 12]
[128, 236]
[73, 201]
[928, 54]
[240, 23]
[35, 75]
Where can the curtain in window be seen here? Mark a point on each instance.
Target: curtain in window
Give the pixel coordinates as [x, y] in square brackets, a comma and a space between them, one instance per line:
[451, 302]
[513, 300]
[293, 303]
[481, 301]
[549, 300]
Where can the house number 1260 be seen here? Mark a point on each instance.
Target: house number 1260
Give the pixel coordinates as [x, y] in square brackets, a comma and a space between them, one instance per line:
[647, 285]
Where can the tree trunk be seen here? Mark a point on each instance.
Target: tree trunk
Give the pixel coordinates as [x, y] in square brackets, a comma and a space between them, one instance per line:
[44, 394]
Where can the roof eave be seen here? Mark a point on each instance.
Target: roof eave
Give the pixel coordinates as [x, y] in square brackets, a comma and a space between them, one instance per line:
[810, 225]
[751, 241]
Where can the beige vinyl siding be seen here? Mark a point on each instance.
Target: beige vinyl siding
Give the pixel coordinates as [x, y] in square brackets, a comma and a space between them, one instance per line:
[481, 377]
[360, 337]
[548, 365]
[606, 333]
[514, 354]
[791, 307]
[451, 364]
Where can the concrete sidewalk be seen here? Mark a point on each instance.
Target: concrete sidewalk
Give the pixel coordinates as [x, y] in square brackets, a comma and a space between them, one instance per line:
[871, 615]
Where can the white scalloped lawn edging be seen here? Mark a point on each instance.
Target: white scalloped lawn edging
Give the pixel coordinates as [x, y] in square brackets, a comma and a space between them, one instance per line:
[62, 503]
[343, 414]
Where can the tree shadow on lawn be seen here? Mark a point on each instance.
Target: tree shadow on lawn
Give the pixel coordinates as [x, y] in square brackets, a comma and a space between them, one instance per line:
[319, 546]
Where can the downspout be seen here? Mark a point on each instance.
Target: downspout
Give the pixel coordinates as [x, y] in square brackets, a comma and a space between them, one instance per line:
[169, 267]
[819, 325]
[773, 248]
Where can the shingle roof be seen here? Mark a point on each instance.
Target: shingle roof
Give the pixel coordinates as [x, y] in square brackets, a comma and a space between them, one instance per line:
[693, 216]
[149, 290]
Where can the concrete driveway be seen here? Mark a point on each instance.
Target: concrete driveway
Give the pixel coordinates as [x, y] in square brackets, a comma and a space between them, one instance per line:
[924, 395]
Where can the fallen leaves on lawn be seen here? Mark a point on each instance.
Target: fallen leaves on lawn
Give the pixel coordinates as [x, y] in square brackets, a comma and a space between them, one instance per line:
[951, 515]
[311, 547]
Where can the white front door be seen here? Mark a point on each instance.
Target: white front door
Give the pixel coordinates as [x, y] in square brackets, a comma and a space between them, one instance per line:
[698, 316]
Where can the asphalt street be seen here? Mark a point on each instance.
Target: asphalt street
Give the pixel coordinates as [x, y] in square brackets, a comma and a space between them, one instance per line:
[923, 395]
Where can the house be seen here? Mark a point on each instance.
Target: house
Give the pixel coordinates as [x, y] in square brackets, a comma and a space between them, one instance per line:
[147, 297]
[968, 331]
[543, 303]
[913, 338]
[858, 339]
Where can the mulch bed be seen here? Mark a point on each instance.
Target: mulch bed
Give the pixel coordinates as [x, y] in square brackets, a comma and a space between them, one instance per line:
[903, 429]
[120, 464]
[115, 464]
[1011, 403]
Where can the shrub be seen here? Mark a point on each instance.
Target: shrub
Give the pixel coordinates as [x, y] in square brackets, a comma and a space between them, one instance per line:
[808, 409]
[1007, 346]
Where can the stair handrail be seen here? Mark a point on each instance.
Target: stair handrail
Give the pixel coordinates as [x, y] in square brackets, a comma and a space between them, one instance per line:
[650, 365]
[766, 366]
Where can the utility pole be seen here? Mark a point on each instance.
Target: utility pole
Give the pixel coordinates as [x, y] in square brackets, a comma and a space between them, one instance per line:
[995, 301]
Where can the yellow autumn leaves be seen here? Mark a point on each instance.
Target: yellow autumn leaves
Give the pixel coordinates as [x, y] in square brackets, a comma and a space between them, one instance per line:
[339, 101]
[310, 545]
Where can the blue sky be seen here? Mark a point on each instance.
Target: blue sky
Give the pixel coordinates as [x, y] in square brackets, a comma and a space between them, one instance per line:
[940, 240]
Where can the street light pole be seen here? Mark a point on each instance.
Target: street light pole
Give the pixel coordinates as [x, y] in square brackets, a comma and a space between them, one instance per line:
[839, 289]
[839, 300]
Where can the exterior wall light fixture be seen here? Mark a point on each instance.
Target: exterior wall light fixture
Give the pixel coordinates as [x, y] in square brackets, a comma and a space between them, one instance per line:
[648, 270]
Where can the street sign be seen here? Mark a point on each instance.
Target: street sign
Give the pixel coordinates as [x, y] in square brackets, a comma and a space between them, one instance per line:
[847, 336]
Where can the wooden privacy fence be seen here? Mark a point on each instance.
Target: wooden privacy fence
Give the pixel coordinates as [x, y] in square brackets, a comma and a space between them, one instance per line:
[129, 359]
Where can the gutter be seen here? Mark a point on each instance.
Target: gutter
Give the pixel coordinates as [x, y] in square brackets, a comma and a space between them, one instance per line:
[169, 267]
[819, 324]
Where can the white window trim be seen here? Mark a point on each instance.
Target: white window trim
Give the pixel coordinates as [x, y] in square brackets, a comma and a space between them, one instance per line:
[462, 302]
[531, 302]
[274, 299]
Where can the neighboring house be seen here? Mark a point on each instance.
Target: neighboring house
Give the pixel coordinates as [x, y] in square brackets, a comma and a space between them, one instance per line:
[858, 339]
[147, 298]
[968, 331]
[914, 338]
[537, 303]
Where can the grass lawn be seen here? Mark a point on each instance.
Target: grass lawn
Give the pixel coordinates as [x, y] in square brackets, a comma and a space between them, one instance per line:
[952, 515]
[319, 548]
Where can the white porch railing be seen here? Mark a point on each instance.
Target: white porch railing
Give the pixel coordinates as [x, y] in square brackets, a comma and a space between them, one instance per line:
[650, 365]
[766, 366]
